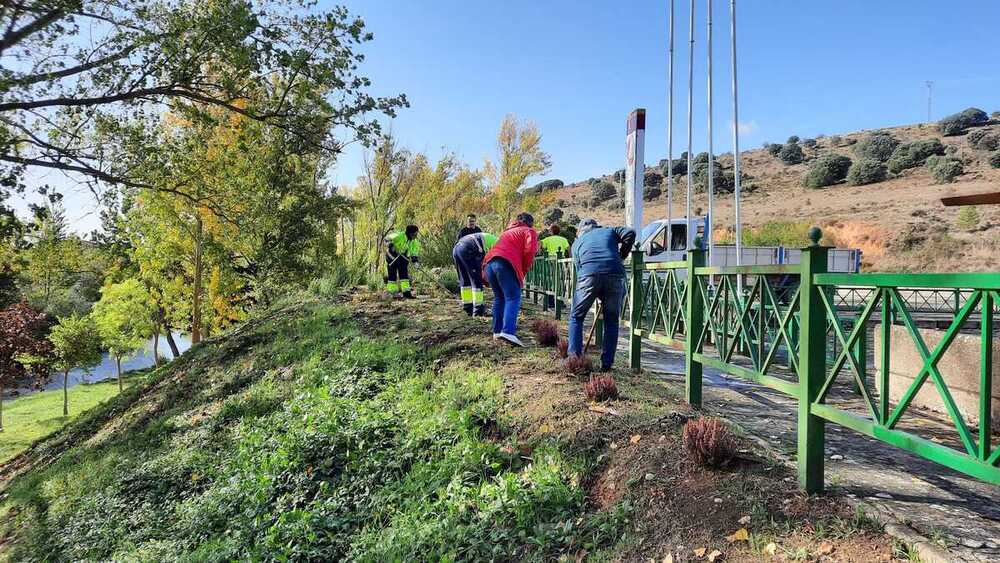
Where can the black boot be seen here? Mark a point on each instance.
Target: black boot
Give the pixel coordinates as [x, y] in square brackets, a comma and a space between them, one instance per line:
[479, 311]
[408, 295]
[467, 307]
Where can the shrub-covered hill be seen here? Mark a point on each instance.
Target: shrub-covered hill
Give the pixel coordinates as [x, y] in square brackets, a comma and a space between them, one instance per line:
[887, 203]
[355, 429]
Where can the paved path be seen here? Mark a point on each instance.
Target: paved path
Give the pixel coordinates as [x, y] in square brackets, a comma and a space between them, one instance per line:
[944, 506]
[939, 503]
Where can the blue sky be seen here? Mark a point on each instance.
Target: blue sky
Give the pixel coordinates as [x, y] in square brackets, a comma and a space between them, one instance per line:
[576, 68]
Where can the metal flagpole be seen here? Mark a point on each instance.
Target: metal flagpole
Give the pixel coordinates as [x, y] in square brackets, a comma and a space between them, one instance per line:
[711, 154]
[670, 133]
[736, 137]
[687, 210]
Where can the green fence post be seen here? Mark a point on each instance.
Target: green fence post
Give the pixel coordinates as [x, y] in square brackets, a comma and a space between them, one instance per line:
[861, 355]
[812, 366]
[694, 324]
[557, 298]
[544, 283]
[635, 313]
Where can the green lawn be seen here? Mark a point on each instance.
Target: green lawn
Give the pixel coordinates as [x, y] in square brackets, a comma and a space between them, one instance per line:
[27, 419]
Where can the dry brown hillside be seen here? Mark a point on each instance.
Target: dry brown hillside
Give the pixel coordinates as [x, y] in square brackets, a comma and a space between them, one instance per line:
[899, 223]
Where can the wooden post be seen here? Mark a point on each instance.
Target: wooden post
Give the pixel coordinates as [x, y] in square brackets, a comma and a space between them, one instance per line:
[635, 313]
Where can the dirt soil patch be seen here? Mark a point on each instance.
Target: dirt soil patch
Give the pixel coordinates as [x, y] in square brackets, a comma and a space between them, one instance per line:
[750, 510]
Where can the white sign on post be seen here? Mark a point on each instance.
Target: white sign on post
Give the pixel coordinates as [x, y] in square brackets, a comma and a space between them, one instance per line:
[635, 167]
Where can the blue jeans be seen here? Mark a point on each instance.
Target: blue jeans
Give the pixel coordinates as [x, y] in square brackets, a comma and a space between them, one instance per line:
[506, 295]
[610, 289]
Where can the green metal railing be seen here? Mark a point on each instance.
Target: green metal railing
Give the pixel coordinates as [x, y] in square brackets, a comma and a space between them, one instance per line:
[787, 327]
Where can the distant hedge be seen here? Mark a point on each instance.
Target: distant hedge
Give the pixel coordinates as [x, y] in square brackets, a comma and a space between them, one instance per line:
[773, 149]
[945, 169]
[866, 171]
[722, 179]
[995, 160]
[876, 146]
[793, 139]
[649, 193]
[911, 155]
[652, 178]
[545, 186]
[957, 123]
[826, 171]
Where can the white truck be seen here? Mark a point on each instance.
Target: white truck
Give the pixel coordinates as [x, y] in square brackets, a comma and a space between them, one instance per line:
[654, 243]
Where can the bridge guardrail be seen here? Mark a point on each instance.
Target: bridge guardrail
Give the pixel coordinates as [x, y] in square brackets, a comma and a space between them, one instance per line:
[792, 329]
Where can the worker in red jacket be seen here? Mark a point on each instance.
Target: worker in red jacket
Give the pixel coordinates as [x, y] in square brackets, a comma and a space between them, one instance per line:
[506, 264]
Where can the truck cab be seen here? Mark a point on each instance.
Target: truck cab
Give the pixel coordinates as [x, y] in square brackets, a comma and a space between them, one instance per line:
[657, 246]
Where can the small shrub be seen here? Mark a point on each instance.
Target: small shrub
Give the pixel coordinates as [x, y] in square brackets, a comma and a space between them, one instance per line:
[809, 143]
[995, 115]
[553, 215]
[709, 442]
[866, 171]
[826, 171]
[601, 388]
[546, 332]
[701, 158]
[652, 178]
[578, 365]
[995, 160]
[968, 218]
[984, 140]
[603, 191]
[911, 155]
[562, 348]
[448, 279]
[945, 169]
[791, 153]
[649, 193]
[877, 146]
[793, 139]
[835, 140]
[957, 123]
[774, 149]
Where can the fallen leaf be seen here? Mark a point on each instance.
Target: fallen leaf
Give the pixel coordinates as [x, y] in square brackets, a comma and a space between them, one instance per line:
[700, 552]
[739, 535]
[602, 409]
[668, 558]
[745, 520]
[771, 549]
[716, 555]
[825, 548]
[635, 439]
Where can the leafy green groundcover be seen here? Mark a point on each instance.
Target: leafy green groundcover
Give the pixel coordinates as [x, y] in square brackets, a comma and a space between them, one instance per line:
[299, 438]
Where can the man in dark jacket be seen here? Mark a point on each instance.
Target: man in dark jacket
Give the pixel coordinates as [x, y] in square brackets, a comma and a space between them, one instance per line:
[470, 227]
[597, 254]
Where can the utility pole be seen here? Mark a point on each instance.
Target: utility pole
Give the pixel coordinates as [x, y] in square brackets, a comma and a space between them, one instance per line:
[930, 96]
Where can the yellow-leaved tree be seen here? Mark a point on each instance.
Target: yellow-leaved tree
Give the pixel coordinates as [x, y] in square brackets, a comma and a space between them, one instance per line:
[519, 157]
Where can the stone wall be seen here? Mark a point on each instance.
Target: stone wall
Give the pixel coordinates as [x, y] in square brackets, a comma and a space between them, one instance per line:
[959, 366]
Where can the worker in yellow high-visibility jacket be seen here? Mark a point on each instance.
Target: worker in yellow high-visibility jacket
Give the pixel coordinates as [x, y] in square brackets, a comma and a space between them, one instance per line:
[555, 242]
[402, 248]
[551, 245]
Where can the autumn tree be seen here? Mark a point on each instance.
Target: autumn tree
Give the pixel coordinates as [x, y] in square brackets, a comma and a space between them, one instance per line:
[123, 318]
[76, 343]
[22, 335]
[519, 157]
[140, 57]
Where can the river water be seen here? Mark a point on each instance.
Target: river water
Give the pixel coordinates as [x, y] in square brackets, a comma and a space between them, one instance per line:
[106, 369]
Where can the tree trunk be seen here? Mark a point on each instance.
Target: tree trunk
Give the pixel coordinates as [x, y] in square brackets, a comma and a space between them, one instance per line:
[156, 345]
[174, 351]
[196, 300]
[118, 362]
[66, 392]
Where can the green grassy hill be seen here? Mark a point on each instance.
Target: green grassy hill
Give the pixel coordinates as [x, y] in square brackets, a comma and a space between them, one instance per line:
[367, 430]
